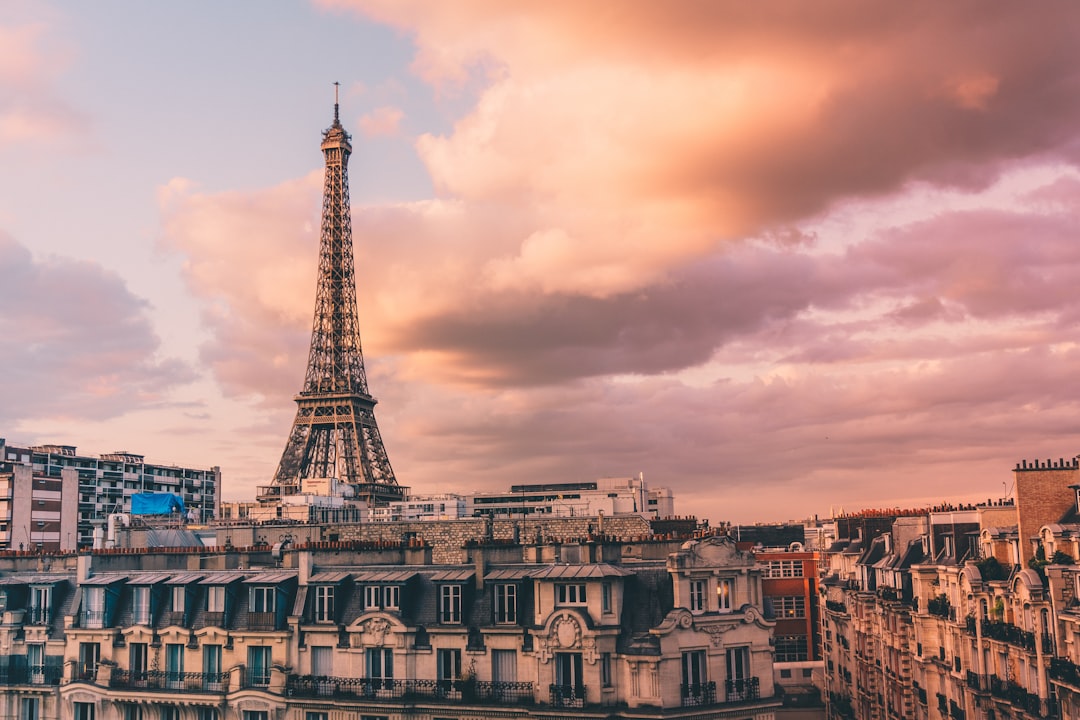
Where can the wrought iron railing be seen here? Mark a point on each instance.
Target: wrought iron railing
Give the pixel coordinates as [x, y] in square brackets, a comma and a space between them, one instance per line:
[698, 694]
[37, 616]
[515, 693]
[742, 689]
[31, 675]
[93, 618]
[567, 695]
[1065, 670]
[166, 680]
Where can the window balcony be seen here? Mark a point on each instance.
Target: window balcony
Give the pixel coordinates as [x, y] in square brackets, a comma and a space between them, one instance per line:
[698, 694]
[169, 681]
[567, 695]
[342, 688]
[31, 675]
[742, 690]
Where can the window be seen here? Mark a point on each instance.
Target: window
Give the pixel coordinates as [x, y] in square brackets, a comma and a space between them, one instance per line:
[215, 598]
[94, 609]
[372, 596]
[568, 670]
[605, 598]
[790, 606]
[255, 715]
[262, 599]
[570, 594]
[740, 686]
[695, 672]
[35, 662]
[724, 592]
[30, 709]
[137, 662]
[40, 605]
[206, 713]
[503, 666]
[259, 666]
[391, 597]
[380, 666]
[213, 678]
[324, 603]
[605, 669]
[140, 605]
[697, 595]
[174, 666]
[506, 603]
[449, 667]
[783, 568]
[315, 715]
[785, 673]
[179, 593]
[322, 661]
[791, 648]
[450, 604]
[169, 712]
[89, 656]
[84, 711]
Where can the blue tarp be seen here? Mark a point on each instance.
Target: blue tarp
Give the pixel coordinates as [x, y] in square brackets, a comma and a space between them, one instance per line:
[156, 504]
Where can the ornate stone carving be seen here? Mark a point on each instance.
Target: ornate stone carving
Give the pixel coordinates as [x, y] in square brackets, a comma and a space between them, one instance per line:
[566, 631]
[373, 632]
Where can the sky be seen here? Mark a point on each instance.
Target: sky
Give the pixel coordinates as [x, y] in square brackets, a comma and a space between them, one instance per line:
[783, 258]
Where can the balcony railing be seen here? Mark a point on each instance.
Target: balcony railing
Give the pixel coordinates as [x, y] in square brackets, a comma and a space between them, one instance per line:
[1007, 632]
[1016, 694]
[742, 689]
[37, 616]
[262, 621]
[257, 678]
[165, 680]
[698, 694]
[567, 695]
[1065, 670]
[93, 619]
[32, 675]
[510, 693]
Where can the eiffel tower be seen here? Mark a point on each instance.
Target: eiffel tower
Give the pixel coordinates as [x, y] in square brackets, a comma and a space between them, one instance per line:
[334, 434]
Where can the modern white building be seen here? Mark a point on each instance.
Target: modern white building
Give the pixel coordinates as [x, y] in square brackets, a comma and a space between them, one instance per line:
[92, 487]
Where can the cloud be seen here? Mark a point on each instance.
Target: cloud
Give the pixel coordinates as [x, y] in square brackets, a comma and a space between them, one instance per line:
[381, 121]
[632, 260]
[32, 112]
[77, 343]
[251, 257]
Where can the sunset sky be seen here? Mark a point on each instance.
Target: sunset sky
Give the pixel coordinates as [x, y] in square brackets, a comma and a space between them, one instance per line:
[780, 257]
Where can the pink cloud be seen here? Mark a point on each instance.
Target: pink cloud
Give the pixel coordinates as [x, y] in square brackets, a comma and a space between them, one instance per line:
[581, 297]
[31, 110]
[77, 343]
[381, 121]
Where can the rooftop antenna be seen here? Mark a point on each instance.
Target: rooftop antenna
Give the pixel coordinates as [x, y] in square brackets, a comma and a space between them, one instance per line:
[336, 86]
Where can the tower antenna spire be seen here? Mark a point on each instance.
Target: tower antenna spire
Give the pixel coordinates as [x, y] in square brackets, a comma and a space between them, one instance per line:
[336, 86]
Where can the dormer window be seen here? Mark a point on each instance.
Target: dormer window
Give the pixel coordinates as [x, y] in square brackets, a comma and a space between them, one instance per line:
[450, 604]
[382, 596]
[215, 599]
[140, 605]
[94, 611]
[262, 599]
[324, 603]
[179, 593]
[570, 594]
[506, 603]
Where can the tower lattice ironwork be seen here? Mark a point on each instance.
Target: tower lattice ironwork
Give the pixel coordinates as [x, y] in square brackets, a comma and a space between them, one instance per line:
[334, 434]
